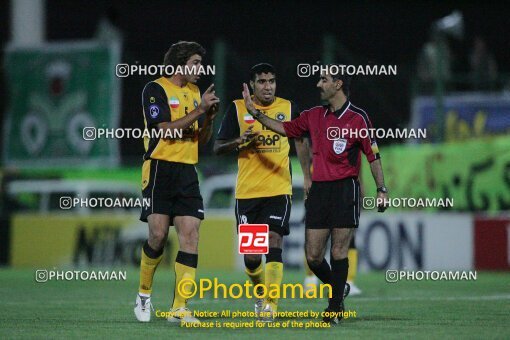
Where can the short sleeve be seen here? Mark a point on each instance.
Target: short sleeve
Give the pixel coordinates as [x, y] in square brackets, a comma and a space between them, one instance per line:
[155, 104]
[229, 125]
[368, 143]
[298, 126]
[294, 113]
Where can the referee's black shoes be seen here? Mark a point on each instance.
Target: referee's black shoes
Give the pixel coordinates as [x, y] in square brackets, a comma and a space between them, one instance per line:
[347, 289]
[333, 315]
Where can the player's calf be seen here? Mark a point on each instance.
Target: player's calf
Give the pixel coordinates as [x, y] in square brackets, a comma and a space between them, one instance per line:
[255, 271]
[274, 274]
[149, 261]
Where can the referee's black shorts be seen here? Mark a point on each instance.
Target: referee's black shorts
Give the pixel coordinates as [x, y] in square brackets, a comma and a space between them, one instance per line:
[334, 204]
[274, 211]
[172, 189]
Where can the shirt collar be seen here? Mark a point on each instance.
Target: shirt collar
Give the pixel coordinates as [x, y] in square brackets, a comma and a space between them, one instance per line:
[338, 113]
[260, 107]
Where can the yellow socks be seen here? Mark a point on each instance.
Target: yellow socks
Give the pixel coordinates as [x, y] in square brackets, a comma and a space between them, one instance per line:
[271, 274]
[185, 269]
[352, 255]
[274, 273]
[256, 275]
[148, 264]
[274, 276]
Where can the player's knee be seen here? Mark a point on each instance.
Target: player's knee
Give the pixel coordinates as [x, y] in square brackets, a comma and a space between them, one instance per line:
[157, 239]
[189, 238]
[339, 252]
[275, 240]
[252, 261]
[193, 235]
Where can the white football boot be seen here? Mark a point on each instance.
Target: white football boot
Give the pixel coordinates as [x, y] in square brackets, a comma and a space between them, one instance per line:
[143, 308]
[354, 289]
[182, 315]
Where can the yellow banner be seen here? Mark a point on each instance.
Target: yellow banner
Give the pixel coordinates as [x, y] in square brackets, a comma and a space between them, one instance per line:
[47, 240]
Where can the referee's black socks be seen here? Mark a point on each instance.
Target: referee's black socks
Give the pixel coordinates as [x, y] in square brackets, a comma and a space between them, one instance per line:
[321, 270]
[339, 270]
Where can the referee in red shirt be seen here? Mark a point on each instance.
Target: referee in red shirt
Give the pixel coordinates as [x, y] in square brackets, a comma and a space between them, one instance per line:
[333, 203]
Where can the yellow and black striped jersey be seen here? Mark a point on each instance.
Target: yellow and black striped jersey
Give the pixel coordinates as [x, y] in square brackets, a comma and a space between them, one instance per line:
[264, 170]
[164, 101]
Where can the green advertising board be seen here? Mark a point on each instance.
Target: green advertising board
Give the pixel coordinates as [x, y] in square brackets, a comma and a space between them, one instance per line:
[474, 173]
[54, 91]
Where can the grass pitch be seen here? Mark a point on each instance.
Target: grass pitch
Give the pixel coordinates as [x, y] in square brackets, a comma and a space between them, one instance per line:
[91, 309]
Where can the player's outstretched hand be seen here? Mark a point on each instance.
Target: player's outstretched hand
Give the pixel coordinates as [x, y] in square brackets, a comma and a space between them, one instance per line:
[247, 99]
[247, 136]
[209, 99]
[213, 110]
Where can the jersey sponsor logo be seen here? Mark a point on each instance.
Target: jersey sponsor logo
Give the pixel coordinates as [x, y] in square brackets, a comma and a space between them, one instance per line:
[154, 111]
[339, 145]
[275, 217]
[268, 143]
[280, 116]
[243, 219]
[253, 239]
[174, 102]
[248, 118]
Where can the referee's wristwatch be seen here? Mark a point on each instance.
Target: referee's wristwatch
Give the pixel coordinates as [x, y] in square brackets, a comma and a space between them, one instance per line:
[382, 189]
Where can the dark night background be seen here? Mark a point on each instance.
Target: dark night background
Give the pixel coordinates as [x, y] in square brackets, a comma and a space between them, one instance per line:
[284, 33]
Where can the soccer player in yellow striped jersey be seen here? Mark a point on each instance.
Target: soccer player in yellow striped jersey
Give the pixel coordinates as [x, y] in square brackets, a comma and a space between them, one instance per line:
[264, 184]
[169, 178]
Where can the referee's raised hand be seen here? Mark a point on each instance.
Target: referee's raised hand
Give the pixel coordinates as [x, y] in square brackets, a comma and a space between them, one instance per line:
[208, 99]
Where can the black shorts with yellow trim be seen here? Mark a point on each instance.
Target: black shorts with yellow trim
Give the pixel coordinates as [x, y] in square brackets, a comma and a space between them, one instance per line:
[333, 204]
[274, 211]
[172, 189]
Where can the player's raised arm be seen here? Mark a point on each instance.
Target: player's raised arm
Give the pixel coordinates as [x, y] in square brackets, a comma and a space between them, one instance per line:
[270, 123]
[205, 132]
[208, 100]
[246, 140]
[229, 136]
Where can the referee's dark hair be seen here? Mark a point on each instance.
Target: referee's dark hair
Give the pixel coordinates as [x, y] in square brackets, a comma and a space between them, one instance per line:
[261, 68]
[345, 78]
[180, 52]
